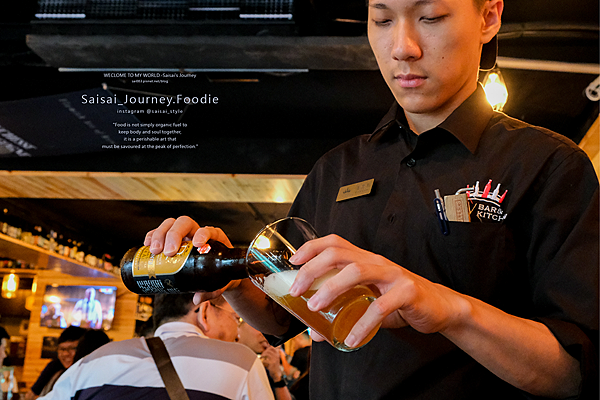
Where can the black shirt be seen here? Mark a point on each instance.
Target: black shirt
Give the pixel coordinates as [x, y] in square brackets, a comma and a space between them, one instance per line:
[48, 372]
[532, 251]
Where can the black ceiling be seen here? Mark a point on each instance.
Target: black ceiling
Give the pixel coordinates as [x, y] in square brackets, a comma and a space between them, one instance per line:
[280, 123]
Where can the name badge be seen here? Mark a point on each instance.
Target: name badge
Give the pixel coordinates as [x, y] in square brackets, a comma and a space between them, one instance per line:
[355, 190]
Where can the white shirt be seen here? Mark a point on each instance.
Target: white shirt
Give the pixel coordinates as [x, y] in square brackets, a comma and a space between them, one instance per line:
[126, 370]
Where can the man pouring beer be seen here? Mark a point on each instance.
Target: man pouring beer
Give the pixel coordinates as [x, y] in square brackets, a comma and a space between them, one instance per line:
[494, 308]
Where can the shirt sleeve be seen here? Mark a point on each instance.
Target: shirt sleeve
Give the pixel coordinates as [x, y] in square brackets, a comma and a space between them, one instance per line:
[563, 260]
[258, 387]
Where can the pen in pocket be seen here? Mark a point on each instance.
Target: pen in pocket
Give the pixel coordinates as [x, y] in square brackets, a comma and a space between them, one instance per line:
[441, 213]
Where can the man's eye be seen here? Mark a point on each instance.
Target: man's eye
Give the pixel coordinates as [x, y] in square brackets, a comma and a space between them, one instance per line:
[381, 22]
[432, 19]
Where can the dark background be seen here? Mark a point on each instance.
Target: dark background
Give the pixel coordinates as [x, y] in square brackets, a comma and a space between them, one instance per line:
[266, 123]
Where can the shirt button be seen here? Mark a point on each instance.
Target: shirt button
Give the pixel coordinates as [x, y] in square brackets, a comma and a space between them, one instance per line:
[411, 163]
[391, 218]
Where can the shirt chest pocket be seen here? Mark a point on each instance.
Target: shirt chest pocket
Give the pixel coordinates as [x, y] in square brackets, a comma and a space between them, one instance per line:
[474, 256]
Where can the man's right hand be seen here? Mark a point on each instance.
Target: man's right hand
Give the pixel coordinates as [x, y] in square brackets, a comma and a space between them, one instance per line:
[248, 300]
[168, 236]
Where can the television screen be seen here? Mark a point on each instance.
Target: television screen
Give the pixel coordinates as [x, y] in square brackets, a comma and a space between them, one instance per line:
[86, 306]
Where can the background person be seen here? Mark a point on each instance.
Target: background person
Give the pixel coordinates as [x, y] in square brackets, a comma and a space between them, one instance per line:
[4, 343]
[299, 388]
[66, 349]
[269, 356]
[301, 352]
[207, 368]
[91, 340]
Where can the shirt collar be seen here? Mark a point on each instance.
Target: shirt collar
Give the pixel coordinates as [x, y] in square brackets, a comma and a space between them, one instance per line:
[178, 328]
[467, 123]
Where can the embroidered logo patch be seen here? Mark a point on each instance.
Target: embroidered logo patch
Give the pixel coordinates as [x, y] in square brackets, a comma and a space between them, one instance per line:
[485, 205]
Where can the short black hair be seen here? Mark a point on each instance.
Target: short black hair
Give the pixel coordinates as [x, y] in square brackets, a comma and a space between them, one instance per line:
[71, 334]
[90, 341]
[168, 307]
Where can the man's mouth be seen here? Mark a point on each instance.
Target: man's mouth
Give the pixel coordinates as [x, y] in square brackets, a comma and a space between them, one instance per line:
[410, 80]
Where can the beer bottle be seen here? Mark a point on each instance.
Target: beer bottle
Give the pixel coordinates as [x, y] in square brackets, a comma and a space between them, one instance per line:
[190, 270]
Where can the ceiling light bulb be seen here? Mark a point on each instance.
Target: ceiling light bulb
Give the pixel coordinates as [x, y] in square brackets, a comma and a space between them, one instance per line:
[262, 243]
[495, 90]
[10, 284]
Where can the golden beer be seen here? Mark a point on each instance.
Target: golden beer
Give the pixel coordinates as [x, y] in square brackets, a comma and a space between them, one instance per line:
[333, 323]
[270, 270]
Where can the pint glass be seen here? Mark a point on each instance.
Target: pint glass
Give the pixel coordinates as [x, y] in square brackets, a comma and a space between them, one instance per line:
[269, 269]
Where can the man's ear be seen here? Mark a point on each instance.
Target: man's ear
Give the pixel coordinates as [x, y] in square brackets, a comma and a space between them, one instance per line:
[492, 19]
[202, 316]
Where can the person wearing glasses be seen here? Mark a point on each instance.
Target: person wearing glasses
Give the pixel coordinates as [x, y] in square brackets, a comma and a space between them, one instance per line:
[66, 349]
[200, 342]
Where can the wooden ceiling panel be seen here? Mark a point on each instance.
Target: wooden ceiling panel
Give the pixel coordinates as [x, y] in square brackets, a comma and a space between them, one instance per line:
[150, 186]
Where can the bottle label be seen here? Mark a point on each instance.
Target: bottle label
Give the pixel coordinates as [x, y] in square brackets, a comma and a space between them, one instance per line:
[148, 265]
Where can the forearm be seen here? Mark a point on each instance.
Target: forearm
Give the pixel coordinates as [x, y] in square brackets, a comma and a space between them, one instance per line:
[282, 393]
[256, 308]
[522, 352]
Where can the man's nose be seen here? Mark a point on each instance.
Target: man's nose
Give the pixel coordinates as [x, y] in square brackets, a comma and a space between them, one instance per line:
[406, 43]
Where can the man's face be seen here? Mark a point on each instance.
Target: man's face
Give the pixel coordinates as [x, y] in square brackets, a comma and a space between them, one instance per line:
[252, 338]
[224, 322]
[3, 347]
[428, 50]
[66, 352]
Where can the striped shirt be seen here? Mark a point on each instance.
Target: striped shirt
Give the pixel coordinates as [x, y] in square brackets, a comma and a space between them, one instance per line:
[209, 370]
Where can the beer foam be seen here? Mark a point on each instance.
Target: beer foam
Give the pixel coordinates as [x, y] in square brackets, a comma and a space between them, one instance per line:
[279, 283]
[321, 280]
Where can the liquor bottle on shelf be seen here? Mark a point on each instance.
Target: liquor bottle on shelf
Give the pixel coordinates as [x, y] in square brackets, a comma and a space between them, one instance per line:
[52, 243]
[9, 225]
[39, 237]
